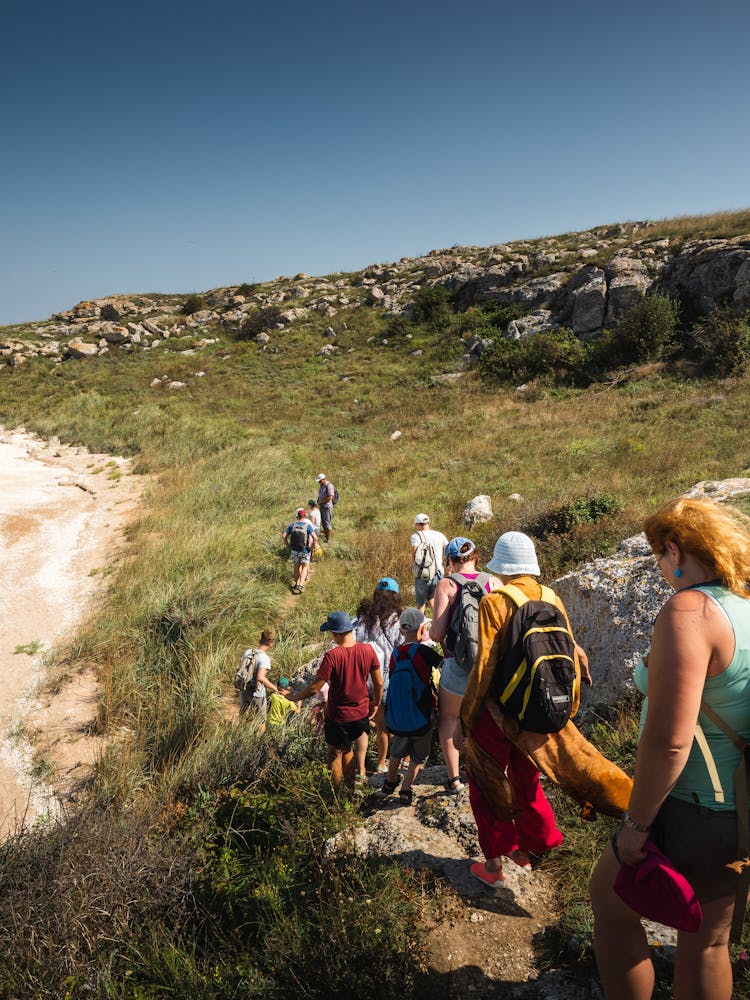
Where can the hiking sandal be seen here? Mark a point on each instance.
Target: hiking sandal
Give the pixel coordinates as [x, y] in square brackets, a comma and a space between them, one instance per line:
[454, 785]
[389, 787]
[405, 796]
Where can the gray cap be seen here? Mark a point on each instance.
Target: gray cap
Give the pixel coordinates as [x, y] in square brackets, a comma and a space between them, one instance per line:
[514, 553]
[411, 619]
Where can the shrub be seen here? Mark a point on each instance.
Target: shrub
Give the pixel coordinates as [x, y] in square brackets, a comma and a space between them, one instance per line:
[646, 331]
[248, 289]
[258, 321]
[720, 343]
[581, 510]
[432, 305]
[557, 356]
[193, 304]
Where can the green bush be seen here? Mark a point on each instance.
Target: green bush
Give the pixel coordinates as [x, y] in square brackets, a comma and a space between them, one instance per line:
[581, 510]
[720, 343]
[432, 306]
[257, 322]
[557, 356]
[644, 332]
[193, 304]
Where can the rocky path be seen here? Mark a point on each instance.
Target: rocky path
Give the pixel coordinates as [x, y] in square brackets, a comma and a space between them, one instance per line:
[62, 510]
[482, 942]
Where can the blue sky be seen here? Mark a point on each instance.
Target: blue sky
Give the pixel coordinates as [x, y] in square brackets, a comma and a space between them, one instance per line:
[176, 147]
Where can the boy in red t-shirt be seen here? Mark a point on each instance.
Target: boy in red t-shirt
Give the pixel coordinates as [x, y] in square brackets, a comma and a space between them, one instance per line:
[345, 668]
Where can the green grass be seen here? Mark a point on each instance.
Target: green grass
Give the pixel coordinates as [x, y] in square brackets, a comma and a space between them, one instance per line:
[231, 456]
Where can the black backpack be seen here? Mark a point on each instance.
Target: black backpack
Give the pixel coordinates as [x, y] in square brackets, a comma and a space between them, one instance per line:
[463, 630]
[535, 679]
[298, 537]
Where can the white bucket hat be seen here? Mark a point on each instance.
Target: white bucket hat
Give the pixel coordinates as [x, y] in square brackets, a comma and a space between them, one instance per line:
[514, 553]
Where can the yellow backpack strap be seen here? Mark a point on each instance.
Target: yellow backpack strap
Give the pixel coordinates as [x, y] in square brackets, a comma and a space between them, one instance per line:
[514, 593]
[708, 758]
[742, 864]
[548, 595]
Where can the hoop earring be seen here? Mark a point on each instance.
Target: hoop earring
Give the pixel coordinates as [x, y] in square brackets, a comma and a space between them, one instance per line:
[678, 572]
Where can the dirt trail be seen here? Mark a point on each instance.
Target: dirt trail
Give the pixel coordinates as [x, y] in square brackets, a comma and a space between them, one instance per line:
[62, 510]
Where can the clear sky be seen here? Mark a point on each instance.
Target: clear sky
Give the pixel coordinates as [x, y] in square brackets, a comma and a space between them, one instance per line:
[175, 147]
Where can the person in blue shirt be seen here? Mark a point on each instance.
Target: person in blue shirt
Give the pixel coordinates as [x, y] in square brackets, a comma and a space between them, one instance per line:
[301, 538]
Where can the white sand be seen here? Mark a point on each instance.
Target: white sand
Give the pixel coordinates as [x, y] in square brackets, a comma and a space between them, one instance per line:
[58, 521]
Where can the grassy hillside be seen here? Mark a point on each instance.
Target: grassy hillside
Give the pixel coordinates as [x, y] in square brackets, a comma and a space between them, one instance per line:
[197, 865]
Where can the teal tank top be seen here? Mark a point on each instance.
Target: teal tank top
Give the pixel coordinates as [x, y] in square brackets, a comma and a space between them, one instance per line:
[729, 696]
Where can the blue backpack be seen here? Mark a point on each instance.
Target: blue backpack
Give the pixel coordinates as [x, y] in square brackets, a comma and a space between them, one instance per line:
[410, 705]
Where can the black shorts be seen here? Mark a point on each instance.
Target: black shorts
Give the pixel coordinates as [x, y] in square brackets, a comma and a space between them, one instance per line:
[341, 735]
[699, 842]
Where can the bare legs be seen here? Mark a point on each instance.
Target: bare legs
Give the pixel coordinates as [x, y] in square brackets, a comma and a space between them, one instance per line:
[448, 714]
[702, 969]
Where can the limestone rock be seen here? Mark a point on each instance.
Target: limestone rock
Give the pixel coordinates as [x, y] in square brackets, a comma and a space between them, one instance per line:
[535, 322]
[477, 511]
[80, 349]
[612, 604]
[590, 302]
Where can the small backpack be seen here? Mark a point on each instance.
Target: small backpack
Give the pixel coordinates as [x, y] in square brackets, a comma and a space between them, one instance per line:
[463, 630]
[298, 537]
[425, 562]
[410, 702]
[535, 679]
[335, 497]
[246, 678]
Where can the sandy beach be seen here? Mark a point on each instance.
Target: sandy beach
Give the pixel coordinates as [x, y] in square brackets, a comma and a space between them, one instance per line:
[62, 511]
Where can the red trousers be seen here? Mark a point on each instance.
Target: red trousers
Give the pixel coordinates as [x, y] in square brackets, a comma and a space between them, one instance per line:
[534, 829]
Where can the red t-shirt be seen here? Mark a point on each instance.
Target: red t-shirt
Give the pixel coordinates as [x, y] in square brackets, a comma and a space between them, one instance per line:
[346, 668]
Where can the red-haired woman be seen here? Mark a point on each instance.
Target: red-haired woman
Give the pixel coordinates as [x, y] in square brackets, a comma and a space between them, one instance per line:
[683, 797]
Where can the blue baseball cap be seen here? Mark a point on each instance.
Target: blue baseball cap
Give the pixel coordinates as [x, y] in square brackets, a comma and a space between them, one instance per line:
[459, 547]
[338, 622]
[387, 583]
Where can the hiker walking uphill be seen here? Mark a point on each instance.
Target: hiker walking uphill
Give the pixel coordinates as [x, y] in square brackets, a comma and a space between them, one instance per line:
[410, 704]
[454, 625]
[427, 554]
[301, 538]
[328, 497]
[349, 708]
[490, 722]
[252, 680]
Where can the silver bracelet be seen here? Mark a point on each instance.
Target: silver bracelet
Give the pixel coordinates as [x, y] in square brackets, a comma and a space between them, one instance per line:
[628, 821]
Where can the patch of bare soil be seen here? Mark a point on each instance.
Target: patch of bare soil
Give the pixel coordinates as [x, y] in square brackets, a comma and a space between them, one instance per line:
[481, 942]
[62, 515]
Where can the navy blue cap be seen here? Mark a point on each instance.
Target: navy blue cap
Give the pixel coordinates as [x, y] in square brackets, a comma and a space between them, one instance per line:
[338, 622]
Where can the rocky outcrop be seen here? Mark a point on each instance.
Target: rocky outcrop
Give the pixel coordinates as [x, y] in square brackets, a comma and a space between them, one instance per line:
[585, 281]
[711, 273]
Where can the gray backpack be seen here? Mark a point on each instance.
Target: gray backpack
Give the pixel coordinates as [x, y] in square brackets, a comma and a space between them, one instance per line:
[425, 562]
[246, 678]
[463, 630]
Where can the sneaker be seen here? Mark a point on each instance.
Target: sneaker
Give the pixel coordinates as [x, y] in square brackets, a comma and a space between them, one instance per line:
[454, 785]
[490, 879]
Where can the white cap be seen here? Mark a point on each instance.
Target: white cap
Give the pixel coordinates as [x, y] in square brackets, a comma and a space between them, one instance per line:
[421, 519]
[320, 477]
[514, 553]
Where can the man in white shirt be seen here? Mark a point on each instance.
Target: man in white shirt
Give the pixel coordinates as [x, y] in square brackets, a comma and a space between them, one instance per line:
[428, 555]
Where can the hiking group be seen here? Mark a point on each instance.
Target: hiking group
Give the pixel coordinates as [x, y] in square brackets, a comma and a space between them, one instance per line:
[303, 534]
[504, 688]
